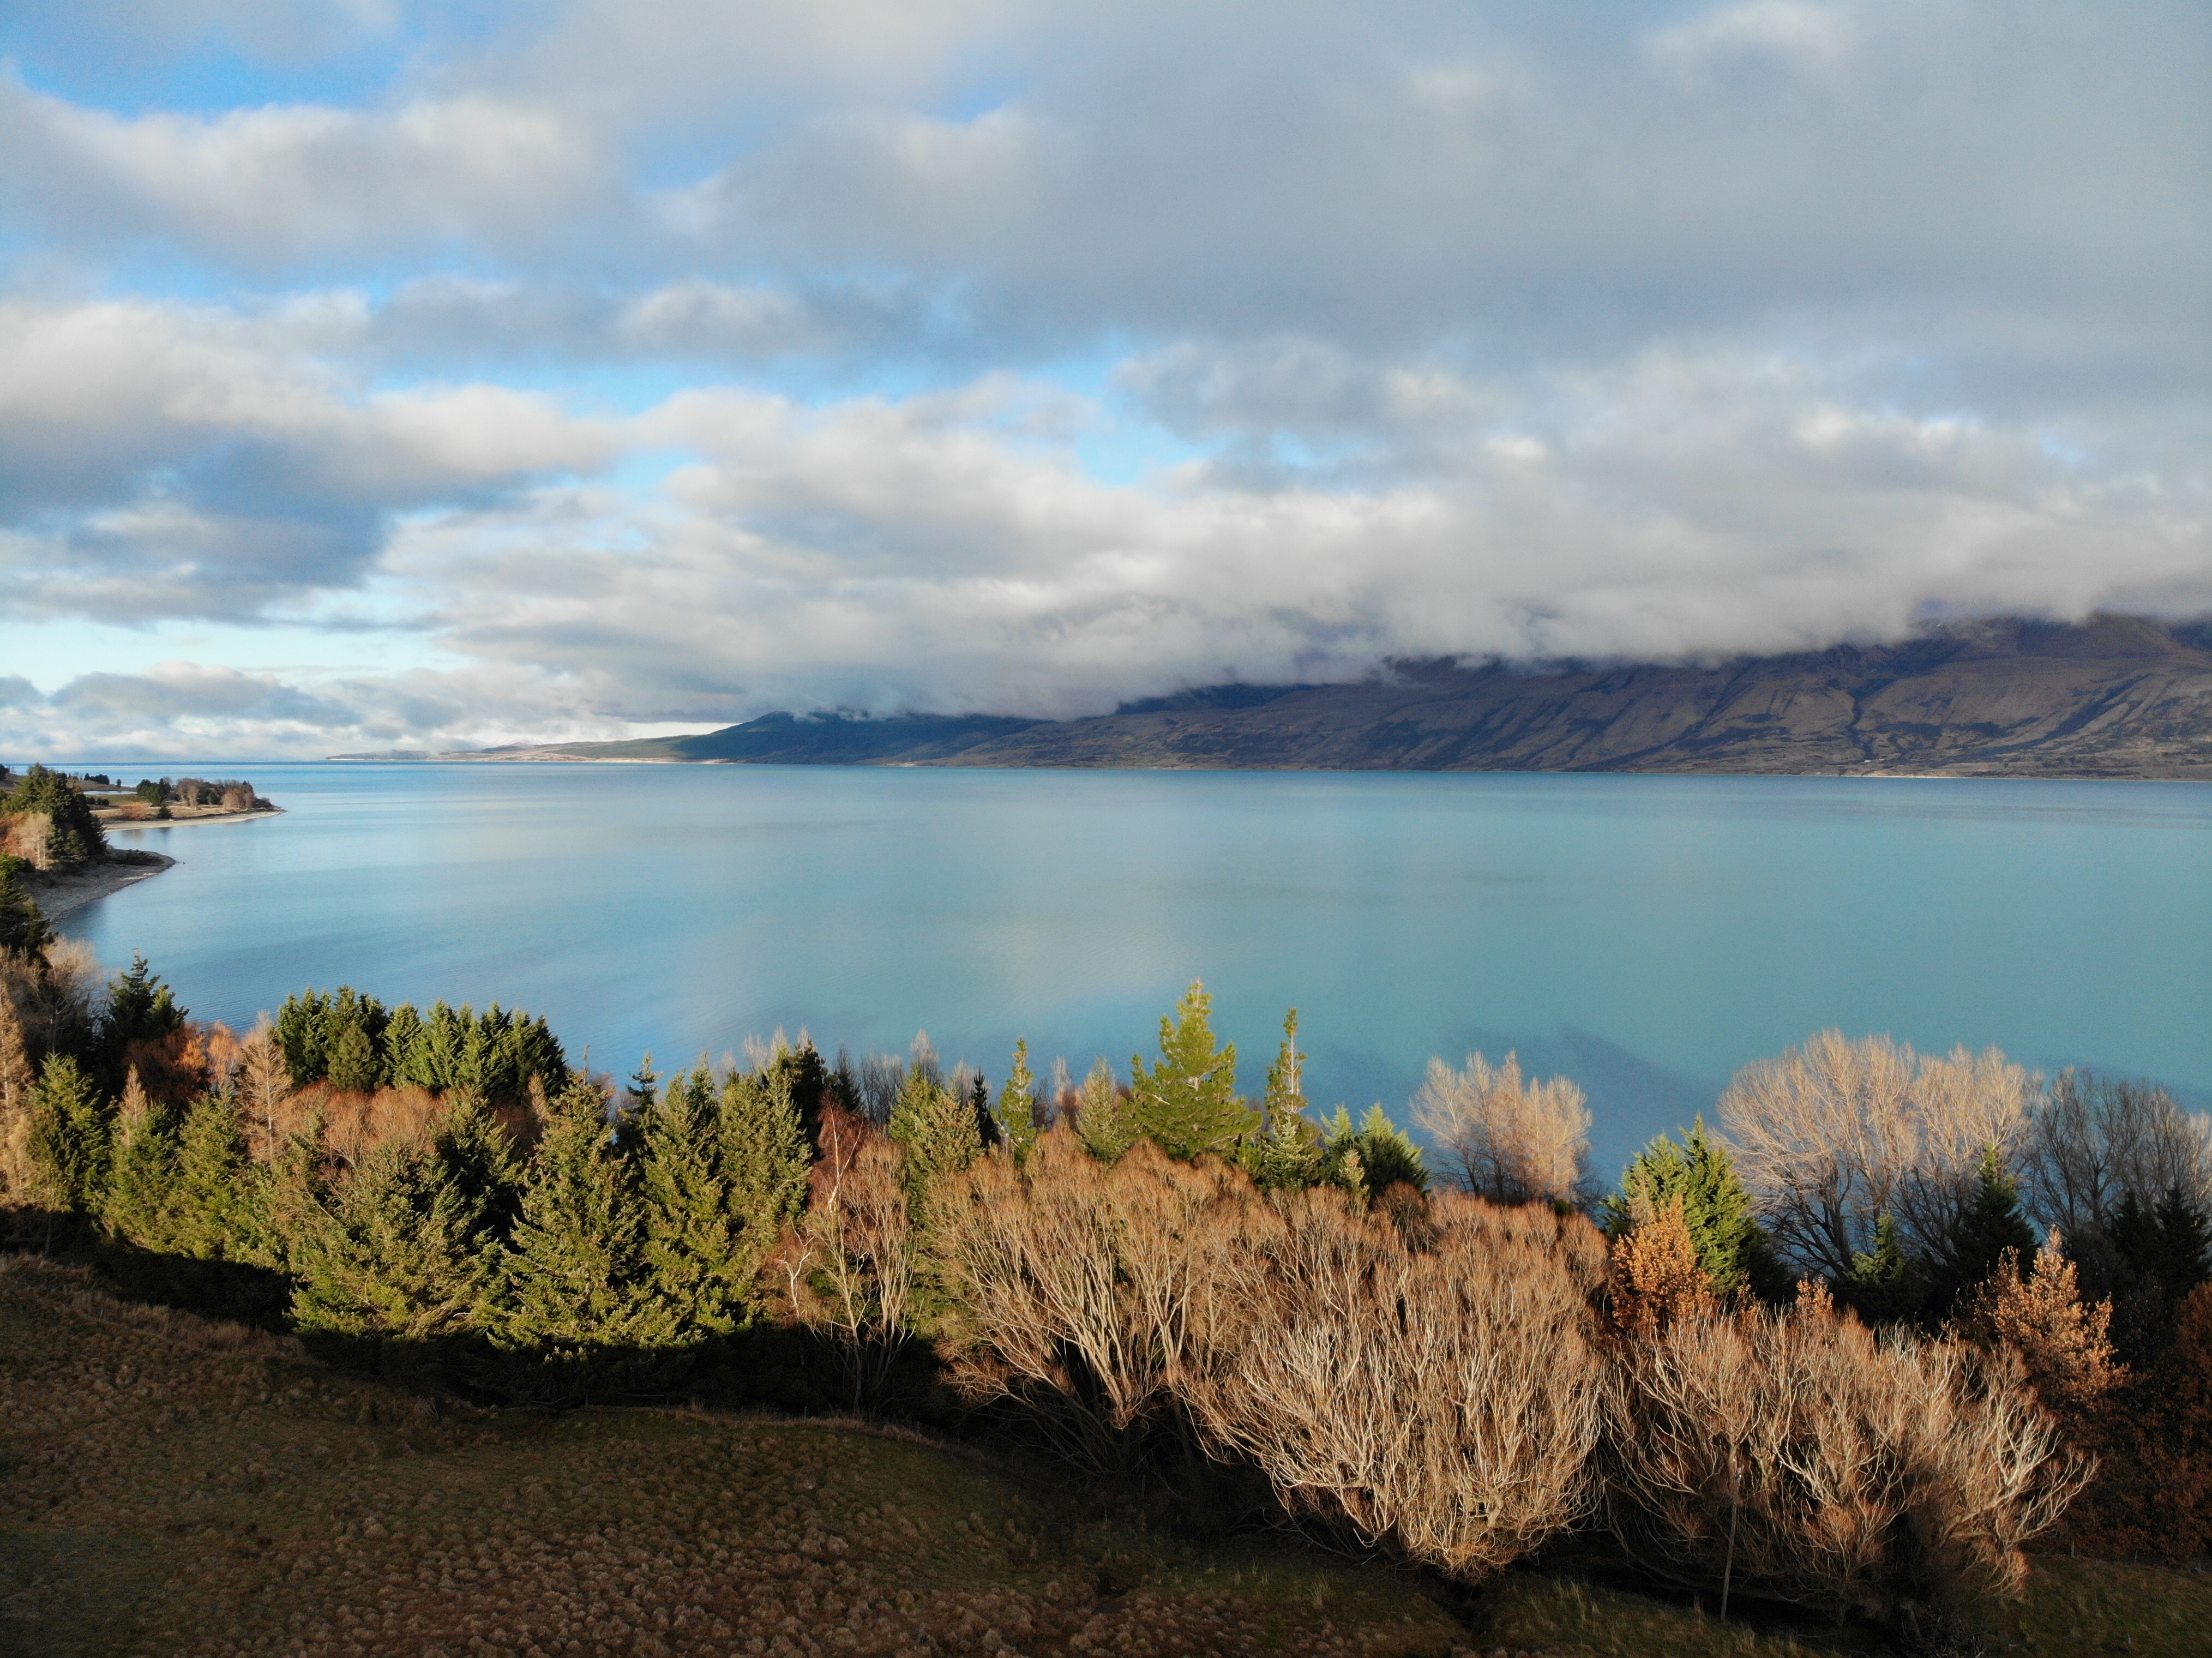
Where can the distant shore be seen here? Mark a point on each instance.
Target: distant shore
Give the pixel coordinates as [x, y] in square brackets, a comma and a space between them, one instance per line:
[58, 895]
[181, 815]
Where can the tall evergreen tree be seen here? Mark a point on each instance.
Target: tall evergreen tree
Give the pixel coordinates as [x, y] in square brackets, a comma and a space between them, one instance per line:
[1715, 1205]
[1990, 1223]
[937, 1129]
[1287, 1153]
[574, 1282]
[478, 1156]
[1886, 1285]
[766, 1159]
[1016, 1114]
[2166, 1243]
[1188, 1103]
[70, 1130]
[1102, 1115]
[23, 928]
[396, 1047]
[143, 1175]
[696, 1244]
[400, 1255]
[302, 1031]
[140, 1008]
[15, 1080]
[219, 1213]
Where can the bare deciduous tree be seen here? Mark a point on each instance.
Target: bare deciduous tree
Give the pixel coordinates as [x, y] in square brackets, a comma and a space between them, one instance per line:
[850, 1268]
[2091, 1139]
[264, 1089]
[1833, 1135]
[1795, 1454]
[1503, 1138]
[1443, 1401]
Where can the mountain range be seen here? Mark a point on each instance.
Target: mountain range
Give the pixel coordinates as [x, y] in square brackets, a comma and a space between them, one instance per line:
[2115, 697]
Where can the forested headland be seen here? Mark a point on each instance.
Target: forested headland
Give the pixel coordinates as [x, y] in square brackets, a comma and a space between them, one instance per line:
[1885, 1324]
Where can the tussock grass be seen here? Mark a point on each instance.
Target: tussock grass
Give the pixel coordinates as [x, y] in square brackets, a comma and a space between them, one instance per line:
[172, 1486]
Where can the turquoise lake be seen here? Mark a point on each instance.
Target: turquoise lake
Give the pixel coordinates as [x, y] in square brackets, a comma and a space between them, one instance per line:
[1644, 935]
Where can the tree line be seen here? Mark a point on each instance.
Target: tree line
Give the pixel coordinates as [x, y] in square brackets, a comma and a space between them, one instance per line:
[1817, 1353]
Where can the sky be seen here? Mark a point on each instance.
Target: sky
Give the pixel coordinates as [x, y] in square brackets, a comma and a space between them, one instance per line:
[381, 376]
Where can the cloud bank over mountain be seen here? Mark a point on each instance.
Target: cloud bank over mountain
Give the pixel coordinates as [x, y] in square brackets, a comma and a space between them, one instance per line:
[374, 375]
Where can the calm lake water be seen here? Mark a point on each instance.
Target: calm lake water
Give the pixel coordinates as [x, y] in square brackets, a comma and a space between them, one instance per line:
[1644, 935]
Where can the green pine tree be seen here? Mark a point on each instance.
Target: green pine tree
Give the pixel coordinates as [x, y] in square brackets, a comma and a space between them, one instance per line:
[395, 1048]
[1286, 1154]
[938, 1130]
[1991, 1223]
[1102, 1115]
[70, 1133]
[220, 1212]
[478, 1156]
[400, 1254]
[302, 1031]
[352, 1057]
[574, 1298]
[143, 1174]
[766, 1159]
[1188, 1103]
[23, 929]
[1885, 1285]
[1715, 1205]
[1016, 1116]
[1369, 1160]
[696, 1244]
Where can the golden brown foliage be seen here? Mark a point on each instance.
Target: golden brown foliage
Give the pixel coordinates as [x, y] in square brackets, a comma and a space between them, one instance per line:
[1502, 1137]
[849, 1269]
[1795, 1454]
[2064, 1345]
[1443, 1401]
[1654, 1278]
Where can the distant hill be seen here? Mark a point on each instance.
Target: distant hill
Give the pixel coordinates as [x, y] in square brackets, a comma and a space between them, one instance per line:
[2117, 696]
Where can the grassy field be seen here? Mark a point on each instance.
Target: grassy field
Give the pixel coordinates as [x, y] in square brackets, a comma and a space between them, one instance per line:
[172, 1486]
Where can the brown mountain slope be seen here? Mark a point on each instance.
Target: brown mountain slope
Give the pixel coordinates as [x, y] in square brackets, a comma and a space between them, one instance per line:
[2119, 697]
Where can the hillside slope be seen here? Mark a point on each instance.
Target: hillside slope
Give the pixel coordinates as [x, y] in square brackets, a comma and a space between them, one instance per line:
[2117, 697]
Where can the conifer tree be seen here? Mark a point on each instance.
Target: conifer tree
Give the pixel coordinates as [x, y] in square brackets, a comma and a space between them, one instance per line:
[1188, 1103]
[1990, 1223]
[143, 1174]
[1286, 1154]
[218, 1213]
[1885, 1285]
[23, 928]
[399, 1253]
[396, 1047]
[352, 1059]
[1369, 1160]
[479, 1158]
[766, 1160]
[1016, 1117]
[291, 1198]
[575, 1285]
[70, 1130]
[301, 1030]
[1715, 1205]
[697, 1246]
[140, 1008]
[1101, 1116]
[938, 1130]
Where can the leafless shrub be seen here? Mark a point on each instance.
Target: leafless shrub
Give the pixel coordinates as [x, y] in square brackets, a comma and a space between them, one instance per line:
[849, 1271]
[1076, 1283]
[53, 994]
[1831, 1136]
[1792, 1453]
[1504, 1138]
[265, 1098]
[1442, 1400]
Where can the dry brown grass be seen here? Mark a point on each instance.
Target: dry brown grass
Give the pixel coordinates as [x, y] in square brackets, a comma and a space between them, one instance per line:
[175, 1488]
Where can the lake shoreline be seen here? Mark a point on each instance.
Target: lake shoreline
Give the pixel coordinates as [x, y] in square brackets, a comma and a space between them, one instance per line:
[57, 895]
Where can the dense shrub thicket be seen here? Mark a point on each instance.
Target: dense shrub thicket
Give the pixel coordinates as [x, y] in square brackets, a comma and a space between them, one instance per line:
[1798, 1358]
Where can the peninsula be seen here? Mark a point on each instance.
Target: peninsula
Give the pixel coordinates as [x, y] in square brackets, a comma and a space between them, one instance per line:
[2115, 697]
[53, 831]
